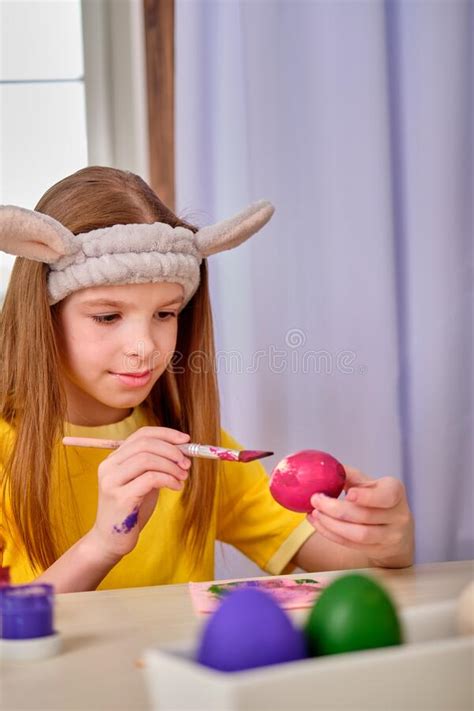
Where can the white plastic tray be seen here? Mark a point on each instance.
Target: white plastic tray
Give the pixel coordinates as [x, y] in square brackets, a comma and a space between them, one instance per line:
[432, 670]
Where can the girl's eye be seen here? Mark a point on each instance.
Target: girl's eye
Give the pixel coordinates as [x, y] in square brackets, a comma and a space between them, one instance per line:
[166, 315]
[108, 318]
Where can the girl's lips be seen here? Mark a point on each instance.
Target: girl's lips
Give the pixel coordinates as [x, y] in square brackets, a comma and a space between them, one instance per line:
[136, 380]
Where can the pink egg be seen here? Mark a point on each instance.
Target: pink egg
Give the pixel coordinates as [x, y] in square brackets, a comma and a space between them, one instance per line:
[297, 477]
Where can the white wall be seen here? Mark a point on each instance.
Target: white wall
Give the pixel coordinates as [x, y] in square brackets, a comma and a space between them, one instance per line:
[42, 101]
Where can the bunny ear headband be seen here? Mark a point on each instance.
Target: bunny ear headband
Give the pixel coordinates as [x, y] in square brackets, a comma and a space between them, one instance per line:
[122, 254]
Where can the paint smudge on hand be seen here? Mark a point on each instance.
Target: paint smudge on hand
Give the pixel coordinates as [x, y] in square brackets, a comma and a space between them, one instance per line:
[128, 523]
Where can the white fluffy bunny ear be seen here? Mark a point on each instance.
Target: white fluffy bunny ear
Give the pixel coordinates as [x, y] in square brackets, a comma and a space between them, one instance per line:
[30, 234]
[235, 230]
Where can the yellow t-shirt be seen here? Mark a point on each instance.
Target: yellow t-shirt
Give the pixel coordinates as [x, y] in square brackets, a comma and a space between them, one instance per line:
[245, 515]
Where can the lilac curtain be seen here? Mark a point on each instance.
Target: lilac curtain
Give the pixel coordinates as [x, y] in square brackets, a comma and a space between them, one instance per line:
[346, 325]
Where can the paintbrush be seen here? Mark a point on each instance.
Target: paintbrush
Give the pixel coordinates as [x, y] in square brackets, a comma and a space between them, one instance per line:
[205, 451]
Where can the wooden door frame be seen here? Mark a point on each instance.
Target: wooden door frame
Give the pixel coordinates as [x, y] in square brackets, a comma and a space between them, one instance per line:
[159, 23]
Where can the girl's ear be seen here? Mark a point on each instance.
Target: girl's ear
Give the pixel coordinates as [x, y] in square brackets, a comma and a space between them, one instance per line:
[233, 231]
[30, 234]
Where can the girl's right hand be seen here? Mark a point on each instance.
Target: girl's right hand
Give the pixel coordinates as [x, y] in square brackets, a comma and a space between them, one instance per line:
[129, 483]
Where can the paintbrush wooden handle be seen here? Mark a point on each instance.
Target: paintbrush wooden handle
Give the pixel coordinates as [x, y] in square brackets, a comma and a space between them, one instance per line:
[92, 442]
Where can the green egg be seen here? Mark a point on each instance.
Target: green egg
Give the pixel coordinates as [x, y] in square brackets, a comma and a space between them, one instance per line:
[354, 612]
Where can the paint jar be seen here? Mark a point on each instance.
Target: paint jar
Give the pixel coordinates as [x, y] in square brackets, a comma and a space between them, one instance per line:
[26, 622]
[4, 576]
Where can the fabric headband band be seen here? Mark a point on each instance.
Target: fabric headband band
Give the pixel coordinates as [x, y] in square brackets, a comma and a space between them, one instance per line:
[122, 254]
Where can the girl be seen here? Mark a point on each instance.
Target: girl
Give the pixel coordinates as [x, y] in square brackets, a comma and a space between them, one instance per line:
[106, 305]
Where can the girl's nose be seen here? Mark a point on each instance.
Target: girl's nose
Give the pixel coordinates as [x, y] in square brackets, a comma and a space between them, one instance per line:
[141, 348]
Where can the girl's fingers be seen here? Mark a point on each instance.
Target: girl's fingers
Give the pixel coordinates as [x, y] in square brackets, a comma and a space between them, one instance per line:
[151, 446]
[164, 433]
[356, 533]
[140, 463]
[387, 493]
[336, 538]
[344, 510]
[354, 476]
[146, 482]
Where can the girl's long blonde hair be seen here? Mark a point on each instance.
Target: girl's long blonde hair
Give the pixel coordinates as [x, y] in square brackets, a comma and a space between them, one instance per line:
[32, 398]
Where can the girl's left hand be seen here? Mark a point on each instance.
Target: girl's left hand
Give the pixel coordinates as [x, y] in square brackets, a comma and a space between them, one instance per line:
[373, 518]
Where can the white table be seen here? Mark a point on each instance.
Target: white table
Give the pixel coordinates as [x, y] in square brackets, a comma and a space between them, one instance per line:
[105, 632]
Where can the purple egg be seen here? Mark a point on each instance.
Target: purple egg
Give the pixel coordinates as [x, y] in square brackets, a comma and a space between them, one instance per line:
[249, 629]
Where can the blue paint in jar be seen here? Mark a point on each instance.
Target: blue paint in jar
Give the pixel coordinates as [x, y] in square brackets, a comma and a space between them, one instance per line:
[26, 611]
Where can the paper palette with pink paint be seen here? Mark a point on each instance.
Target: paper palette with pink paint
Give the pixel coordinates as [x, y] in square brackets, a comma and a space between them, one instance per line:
[290, 593]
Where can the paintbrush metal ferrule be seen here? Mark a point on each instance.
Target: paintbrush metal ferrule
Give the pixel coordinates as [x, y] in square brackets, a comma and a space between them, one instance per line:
[208, 452]
[224, 454]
